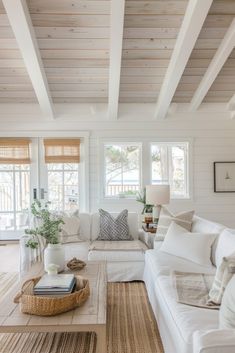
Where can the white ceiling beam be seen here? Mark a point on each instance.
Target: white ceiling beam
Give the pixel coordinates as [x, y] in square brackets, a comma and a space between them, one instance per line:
[20, 21]
[216, 64]
[115, 57]
[194, 18]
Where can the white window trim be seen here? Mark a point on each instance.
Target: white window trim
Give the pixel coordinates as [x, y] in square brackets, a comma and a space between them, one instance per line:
[118, 141]
[146, 167]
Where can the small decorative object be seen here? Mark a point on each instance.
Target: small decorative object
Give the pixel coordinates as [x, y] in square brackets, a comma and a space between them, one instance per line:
[147, 209]
[49, 306]
[52, 269]
[224, 177]
[49, 230]
[157, 195]
[76, 264]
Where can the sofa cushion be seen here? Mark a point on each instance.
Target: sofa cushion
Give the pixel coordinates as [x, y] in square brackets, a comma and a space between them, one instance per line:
[114, 228]
[187, 319]
[70, 230]
[225, 246]
[194, 247]
[132, 223]
[130, 251]
[163, 263]
[201, 225]
[184, 219]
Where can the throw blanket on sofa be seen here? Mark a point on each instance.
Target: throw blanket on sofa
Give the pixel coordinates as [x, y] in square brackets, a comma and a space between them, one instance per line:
[193, 288]
[132, 245]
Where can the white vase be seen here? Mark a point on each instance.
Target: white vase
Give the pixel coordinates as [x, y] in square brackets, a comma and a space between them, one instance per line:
[54, 254]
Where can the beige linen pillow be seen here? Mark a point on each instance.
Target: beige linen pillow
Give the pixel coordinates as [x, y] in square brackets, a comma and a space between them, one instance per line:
[70, 230]
[222, 277]
[183, 219]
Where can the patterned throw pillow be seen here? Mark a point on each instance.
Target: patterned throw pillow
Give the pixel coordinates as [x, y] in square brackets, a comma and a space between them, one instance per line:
[114, 228]
[223, 275]
[183, 219]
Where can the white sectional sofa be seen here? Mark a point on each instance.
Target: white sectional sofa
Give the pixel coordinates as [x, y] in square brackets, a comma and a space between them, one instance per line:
[183, 328]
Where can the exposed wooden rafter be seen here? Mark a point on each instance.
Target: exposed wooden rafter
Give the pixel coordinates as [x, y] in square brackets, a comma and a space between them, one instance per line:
[218, 61]
[194, 18]
[20, 21]
[116, 38]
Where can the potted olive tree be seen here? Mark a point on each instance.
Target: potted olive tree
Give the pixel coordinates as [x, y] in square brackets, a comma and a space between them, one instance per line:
[49, 228]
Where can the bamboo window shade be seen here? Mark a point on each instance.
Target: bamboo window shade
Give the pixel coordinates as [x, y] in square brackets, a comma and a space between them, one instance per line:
[14, 151]
[62, 150]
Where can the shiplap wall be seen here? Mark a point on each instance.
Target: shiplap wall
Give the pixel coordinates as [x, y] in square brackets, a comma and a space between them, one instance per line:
[208, 145]
[213, 139]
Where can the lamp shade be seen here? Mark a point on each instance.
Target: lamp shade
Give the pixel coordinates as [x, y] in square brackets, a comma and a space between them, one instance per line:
[157, 194]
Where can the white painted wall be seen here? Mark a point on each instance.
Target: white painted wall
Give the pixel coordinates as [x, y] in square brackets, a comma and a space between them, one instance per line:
[213, 138]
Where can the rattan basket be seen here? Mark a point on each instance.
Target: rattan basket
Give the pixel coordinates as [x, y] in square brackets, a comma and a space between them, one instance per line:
[49, 306]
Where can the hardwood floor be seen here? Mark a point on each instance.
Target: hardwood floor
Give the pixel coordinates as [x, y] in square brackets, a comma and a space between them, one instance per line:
[9, 258]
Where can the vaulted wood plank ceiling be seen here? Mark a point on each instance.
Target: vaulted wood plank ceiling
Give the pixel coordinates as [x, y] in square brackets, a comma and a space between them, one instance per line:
[150, 31]
[15, 84]
[213, 31]
[73, 37]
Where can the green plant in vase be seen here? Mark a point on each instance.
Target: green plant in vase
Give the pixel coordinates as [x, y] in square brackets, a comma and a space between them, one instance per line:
[49, 225]
[141, 197]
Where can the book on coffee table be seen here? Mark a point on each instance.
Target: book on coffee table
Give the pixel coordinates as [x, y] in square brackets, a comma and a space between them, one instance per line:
[55, 284]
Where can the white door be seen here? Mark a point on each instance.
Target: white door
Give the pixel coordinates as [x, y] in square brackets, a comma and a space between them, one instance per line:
[20, 184]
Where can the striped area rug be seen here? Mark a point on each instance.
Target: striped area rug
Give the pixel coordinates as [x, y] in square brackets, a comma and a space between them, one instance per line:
[131, 328]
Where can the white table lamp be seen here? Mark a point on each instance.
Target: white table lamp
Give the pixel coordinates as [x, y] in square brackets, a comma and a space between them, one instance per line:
[157, 195]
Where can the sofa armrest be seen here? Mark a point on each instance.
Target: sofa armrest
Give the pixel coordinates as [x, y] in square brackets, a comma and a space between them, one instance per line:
[214, 341]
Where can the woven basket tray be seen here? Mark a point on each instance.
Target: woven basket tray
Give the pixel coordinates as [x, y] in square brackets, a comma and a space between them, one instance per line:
[49, 306]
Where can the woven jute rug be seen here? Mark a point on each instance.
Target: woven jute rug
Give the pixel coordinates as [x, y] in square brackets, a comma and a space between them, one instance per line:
[131, 328]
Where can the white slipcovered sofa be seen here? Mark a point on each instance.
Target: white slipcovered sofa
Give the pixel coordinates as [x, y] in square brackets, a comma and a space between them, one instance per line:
[183, 328]
[126, 265]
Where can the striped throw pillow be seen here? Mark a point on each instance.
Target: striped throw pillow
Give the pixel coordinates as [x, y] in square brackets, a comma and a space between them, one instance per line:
[223, 275]
[183, 219]
[114, 228]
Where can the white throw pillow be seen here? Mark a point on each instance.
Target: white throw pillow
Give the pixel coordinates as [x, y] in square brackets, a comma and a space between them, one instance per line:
[195, 247]
[227, 308]
[183, 219]
[222, 277]
[70, 230]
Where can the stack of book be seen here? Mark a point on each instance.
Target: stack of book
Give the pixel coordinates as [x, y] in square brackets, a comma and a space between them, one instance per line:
[55, 285]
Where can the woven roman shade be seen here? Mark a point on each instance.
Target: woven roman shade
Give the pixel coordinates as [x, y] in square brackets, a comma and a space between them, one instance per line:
[62, 150]
[14, 151]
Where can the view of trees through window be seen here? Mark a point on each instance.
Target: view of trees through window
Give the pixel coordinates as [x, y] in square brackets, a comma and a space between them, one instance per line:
[14, 196]
[63, 186]
[169, 165]
[122, 170]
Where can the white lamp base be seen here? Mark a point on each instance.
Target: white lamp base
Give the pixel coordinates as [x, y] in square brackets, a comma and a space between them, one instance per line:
[156, 213]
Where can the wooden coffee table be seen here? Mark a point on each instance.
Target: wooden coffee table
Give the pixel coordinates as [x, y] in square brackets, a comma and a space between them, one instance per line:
[91, 317]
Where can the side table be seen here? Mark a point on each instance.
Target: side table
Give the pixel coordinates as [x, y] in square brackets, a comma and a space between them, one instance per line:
[148, 236]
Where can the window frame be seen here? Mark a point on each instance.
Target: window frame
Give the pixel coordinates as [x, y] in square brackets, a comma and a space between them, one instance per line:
[122, 142]
[187, 167]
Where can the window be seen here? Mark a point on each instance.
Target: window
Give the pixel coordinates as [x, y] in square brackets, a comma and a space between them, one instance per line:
[63, 186]
[122, 169]
[14, 185]
[62, 157]
[170, 165]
